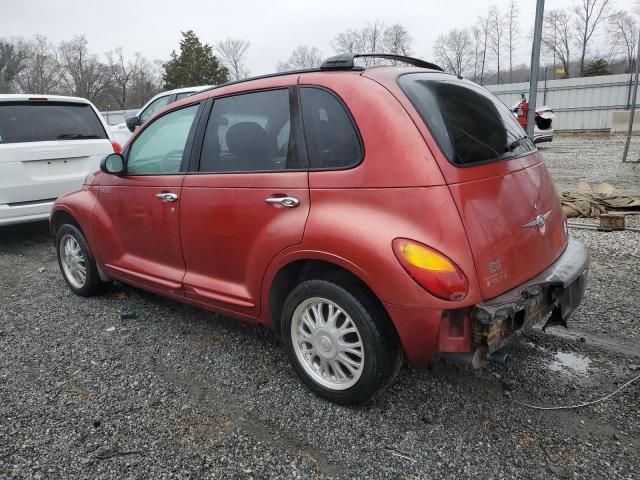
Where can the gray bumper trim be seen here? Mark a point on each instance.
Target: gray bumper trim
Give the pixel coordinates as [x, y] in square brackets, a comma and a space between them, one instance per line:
[571, 265]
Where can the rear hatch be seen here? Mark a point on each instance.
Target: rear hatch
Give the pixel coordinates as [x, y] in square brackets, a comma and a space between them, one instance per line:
[503, 191]
[47, 148]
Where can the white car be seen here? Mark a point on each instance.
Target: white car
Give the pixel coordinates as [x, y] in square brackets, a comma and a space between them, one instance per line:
[123, 131]
[48, 145]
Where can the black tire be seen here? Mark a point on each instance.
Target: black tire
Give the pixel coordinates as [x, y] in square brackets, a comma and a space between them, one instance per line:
[93, 285]
[382, 351]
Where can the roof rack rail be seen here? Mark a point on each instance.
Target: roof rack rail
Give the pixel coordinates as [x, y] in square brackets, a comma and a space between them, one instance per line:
[345, 61]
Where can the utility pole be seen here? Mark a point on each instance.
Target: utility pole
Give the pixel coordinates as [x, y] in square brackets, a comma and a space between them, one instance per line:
[633, 107]
[535, 67]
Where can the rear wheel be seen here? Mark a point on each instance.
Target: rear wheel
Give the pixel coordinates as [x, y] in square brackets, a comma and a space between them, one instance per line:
[339, 341]
[76, 263]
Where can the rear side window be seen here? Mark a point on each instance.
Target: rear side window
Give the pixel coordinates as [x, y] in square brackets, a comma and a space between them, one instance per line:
[470, 124]
[48, 121]
[250, 133]
[332, 140]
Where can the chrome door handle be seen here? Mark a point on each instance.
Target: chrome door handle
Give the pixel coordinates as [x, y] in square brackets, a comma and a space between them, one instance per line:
[290, 202]
[167, 196]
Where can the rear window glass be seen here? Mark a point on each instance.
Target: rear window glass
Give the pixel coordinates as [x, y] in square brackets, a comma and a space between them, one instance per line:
[470, 124]
[46, 121]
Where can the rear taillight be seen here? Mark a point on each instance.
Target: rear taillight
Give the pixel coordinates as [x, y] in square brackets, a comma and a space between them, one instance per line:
[116, 146]
[433, 271]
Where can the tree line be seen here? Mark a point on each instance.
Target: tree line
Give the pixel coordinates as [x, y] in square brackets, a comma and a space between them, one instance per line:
[114, 80]
[484, 52]
[589, 38]
[375, 37]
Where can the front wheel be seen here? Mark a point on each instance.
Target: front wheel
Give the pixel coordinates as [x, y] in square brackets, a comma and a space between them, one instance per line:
[339, 341]
[76, 263]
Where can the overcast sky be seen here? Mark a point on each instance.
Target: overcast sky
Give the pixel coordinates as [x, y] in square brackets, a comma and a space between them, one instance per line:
[274, 28]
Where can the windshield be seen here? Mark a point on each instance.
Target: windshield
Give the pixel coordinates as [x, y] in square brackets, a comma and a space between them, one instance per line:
[470, 124]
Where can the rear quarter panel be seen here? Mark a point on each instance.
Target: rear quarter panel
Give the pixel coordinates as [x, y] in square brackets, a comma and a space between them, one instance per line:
[397, 191]
[360, 225]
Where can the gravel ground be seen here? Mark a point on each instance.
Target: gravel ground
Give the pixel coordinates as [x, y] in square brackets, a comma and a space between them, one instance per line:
[594, 159]
[181, 393]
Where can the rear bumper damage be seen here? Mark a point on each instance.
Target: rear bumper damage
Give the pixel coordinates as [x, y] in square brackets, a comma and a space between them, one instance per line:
[556, 293]
[553, 295]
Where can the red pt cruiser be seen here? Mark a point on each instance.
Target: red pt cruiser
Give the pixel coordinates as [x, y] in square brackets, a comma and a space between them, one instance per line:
[363, 214]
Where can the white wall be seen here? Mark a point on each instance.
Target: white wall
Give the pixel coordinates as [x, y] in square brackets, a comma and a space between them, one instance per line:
[579, 103]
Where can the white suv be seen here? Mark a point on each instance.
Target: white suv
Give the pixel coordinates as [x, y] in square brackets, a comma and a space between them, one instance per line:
[123, 131]
[48, 145]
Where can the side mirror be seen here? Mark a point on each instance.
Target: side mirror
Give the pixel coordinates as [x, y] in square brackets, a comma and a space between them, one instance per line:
[113, 164]
[132, 123]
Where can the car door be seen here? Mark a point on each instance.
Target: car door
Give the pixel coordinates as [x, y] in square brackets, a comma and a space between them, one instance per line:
[137, 217]
[248, 199]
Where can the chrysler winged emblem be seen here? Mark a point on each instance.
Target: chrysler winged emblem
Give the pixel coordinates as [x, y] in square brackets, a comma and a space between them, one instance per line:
[538, 222]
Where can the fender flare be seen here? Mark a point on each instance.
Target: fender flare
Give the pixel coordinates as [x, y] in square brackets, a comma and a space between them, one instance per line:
[293, 254]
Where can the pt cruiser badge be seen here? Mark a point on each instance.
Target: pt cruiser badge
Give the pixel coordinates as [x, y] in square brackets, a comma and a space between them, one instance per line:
[539, 222]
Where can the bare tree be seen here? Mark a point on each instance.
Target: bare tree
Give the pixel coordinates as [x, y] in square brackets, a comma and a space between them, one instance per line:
[349, 41]
[483, 31]
[124, 73]
[496, 35]
[41, 73]
[557, 37]
[301, 58]
[454, 50]
[37, 66]
[372, 37]
[589, 15]
[476, 39]
[13, 57]
[513, 33]
[623, 32]
[396, 40]
[233, 53]
[82, 73]
[147, 83]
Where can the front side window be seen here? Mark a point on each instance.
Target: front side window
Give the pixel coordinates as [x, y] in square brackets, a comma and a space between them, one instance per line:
[160, 147]
[153, 107]
[332, 140]
[46, 121]
[250, 132]
[470, 124]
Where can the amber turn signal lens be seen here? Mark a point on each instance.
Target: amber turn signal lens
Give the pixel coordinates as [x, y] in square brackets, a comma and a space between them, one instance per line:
[432, 270]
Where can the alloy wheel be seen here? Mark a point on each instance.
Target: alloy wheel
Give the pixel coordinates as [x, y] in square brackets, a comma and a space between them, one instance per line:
[73, 261]
[327, 343]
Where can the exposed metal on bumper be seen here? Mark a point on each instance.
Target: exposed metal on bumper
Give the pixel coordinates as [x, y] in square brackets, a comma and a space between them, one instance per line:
[558, 290]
